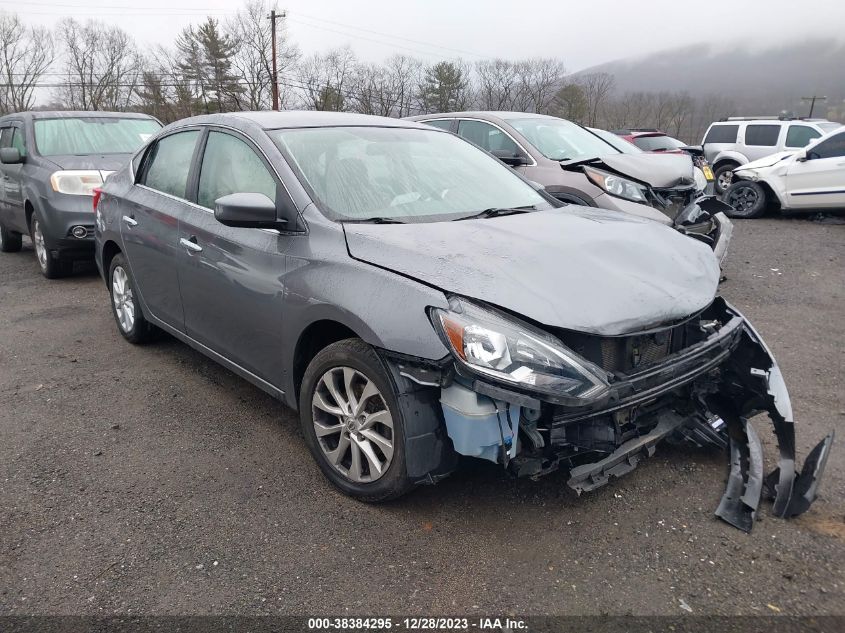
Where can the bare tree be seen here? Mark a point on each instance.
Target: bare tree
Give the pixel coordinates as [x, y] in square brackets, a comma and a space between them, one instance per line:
[326, 80]
[253, 57]
[597, 88]
[25, 54]
[388, 89]
[102, 65]
[541, 80]
[498, 84]
[404, 74]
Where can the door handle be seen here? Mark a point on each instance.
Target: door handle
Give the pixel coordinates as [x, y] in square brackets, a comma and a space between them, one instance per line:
[130, 221]
[191, 245]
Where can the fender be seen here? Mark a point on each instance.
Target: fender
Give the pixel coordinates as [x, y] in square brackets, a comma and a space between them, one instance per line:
[729, 155]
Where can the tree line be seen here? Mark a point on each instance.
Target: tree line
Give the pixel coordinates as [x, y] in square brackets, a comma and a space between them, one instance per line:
[222, 66]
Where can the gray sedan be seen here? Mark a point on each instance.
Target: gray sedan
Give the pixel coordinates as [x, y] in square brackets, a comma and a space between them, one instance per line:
[417, 300]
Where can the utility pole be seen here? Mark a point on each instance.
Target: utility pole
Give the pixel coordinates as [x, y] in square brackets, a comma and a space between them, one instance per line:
[812, 101]
[275, 77]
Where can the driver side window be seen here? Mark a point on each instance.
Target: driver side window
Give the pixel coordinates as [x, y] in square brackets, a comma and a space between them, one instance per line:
[229, 165]
[18, 141]
[834, 147]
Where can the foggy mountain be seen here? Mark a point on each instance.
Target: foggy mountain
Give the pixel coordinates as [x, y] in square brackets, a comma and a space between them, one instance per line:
[757, 81]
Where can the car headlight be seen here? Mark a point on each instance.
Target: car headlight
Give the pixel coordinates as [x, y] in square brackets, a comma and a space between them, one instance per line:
[500, 346]
[616, 185]
[77, 182]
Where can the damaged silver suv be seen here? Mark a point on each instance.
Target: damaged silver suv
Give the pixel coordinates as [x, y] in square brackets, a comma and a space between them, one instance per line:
[417, 300]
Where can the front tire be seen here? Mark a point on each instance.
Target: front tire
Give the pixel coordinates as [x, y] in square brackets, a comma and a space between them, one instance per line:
[52, 266]
[124, 304]
[747, 199]
[10, 242]
[352, 422]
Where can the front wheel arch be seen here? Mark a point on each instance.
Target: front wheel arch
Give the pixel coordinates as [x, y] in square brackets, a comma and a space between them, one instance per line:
[313, 339]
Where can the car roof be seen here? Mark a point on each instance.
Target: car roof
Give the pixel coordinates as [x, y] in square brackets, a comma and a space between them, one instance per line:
[72, 114]
[272, 120]
[503, 115]
[766, 121]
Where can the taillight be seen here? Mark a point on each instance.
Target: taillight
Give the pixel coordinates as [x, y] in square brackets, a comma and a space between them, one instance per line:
[97, 192]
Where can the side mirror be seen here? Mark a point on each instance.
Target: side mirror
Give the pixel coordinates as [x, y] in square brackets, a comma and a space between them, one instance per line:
[10, 156]
[509, 158]
[248, 211]
[801, 156]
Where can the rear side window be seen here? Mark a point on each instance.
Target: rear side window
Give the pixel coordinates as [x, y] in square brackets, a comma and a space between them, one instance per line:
[762, 135]
[169, 163]
[443, 124]
[800, 135]
[834, 147]
[231, 166]
[722, 134]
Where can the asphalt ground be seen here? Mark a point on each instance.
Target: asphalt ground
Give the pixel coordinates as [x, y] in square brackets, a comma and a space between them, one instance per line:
[149, 480]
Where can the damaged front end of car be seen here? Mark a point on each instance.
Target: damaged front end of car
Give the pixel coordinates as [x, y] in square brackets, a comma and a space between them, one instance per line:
[678, 191]
[535, 401]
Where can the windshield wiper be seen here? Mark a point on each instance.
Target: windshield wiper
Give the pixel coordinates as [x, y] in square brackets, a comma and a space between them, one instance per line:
[374, 220]
[495, 212]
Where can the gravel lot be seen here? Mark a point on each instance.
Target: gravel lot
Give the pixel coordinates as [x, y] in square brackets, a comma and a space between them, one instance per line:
[149, 480]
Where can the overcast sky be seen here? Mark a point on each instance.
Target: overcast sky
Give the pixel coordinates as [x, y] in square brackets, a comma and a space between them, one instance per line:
[582, 33]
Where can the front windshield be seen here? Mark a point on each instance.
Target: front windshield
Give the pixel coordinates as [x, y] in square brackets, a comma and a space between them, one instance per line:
[617, 141]
[657, 143]
[83, 136]
[563, 140]
[401, 174]
[828, 126]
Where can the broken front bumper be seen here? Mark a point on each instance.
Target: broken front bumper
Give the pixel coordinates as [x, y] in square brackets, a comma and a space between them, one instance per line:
[756, 385]
[706, 392]
[705, 219]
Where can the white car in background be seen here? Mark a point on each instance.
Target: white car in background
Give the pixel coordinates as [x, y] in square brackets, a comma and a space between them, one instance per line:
[736, 141]
[809, 178]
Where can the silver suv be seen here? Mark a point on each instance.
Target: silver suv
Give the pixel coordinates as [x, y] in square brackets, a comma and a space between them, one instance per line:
[739, 140]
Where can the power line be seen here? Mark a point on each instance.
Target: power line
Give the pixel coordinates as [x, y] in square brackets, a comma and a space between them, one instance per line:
[397, 37]
[186, 11]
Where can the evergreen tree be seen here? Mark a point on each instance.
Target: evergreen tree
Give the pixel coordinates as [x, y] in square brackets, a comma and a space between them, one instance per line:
[218, 50]
[445, 87]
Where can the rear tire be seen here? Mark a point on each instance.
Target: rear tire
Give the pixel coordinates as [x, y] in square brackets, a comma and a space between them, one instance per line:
[747, 199]
[340, 377]
[52, 266]
[125, 306]
[10, 241]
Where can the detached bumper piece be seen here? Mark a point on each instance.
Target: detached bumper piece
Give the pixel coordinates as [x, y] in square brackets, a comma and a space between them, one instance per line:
[753, 383]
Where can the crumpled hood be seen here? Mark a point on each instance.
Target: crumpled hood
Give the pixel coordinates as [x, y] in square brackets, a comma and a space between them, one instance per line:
[766, 161]
[106, 162]
[658, 170]
[578, 268]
